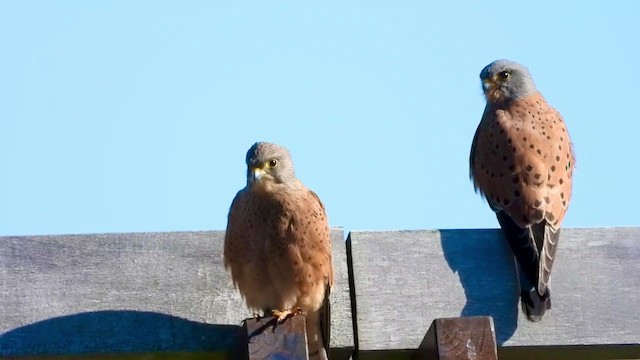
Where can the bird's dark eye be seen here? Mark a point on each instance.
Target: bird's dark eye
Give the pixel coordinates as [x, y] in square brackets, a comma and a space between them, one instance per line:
[273, 163]
[503, 75]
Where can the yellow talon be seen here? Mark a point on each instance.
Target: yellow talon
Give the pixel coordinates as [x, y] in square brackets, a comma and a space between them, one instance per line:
[283, 315]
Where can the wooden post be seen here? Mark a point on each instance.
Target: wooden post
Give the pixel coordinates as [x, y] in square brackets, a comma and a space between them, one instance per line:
[459, 338]
[269, 340]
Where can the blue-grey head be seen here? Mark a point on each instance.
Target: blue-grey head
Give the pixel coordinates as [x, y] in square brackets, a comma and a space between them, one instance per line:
[505, 80]
[268, 164]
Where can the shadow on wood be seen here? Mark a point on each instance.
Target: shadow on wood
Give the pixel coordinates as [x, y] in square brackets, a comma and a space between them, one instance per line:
[269, 340]
[471, 338]
[117, 331]
[487, 285]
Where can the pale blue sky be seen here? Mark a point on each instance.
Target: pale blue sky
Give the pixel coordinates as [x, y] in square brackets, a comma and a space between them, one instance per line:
[121, 116]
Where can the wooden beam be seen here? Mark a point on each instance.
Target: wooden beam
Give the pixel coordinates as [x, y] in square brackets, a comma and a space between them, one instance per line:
[405, 279]
[459, 338]
[269, 340]
[132, 293]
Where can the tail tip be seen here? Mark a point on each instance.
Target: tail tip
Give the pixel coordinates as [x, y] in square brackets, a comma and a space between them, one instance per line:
[535, 306]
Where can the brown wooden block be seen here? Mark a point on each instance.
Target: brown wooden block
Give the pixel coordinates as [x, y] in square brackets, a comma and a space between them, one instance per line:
[459, 338]
[269, 340]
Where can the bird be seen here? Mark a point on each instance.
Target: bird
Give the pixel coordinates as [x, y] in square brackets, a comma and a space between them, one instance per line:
[277, 245]
[522, 163]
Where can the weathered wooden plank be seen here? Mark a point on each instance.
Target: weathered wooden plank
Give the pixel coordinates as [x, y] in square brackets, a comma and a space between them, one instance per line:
[461, 338]
[403, 280]
[269, 340]
[130, 356]
[564, 352]
[132, 292]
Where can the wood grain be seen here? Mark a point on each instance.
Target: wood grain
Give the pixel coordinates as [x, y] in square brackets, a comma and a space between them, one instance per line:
[269, 340]
[461, 338]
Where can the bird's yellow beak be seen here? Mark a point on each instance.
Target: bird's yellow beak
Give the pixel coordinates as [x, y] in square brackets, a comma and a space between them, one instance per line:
[488, 84]
[258, 173]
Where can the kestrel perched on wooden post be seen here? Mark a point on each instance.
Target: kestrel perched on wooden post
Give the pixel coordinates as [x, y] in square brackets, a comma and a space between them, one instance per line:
[277, 244]
[522, 162]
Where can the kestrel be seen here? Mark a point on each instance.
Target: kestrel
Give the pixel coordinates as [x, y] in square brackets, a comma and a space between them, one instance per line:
[277, 245]
[522, 162]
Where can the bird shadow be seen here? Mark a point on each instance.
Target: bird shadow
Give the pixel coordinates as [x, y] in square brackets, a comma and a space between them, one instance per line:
[119, 331]
[480, 263]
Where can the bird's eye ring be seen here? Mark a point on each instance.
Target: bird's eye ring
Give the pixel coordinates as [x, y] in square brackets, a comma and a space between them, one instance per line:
[503, 75]
[273, 163]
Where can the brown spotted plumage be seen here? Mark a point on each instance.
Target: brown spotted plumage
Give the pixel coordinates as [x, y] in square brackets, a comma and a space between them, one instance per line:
[522, 162]
[277, 244]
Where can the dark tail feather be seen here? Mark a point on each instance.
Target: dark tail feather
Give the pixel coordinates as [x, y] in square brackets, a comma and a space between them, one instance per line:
[524, 244]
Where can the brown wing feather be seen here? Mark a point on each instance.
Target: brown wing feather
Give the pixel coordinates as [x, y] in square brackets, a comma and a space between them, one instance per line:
[324, 315]
[236, 240]
[325, 235]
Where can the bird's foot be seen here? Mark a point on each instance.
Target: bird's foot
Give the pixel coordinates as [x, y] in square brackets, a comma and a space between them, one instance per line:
[283, 315]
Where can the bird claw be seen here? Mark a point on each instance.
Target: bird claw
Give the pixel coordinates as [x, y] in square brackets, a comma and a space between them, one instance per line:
[283, 315]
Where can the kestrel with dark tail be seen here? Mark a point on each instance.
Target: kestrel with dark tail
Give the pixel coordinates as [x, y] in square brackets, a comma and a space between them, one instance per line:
[277, 245]
[522, 162]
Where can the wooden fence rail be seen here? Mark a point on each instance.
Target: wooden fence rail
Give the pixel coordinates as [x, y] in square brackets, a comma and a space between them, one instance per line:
[155, 294]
